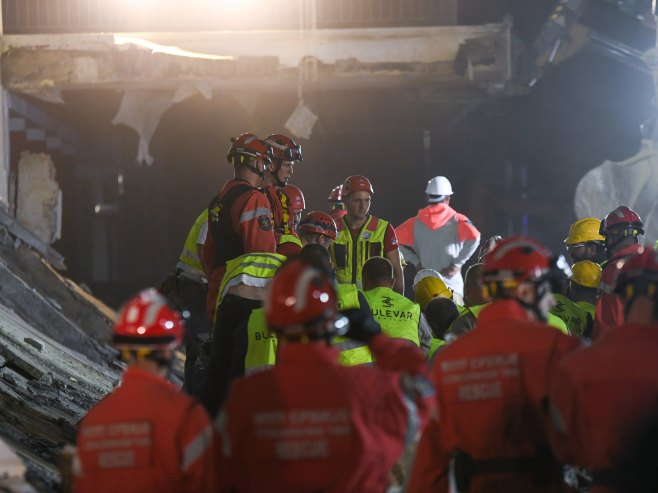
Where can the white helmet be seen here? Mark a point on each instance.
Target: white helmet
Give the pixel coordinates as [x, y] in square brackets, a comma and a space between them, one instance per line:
[438, 188]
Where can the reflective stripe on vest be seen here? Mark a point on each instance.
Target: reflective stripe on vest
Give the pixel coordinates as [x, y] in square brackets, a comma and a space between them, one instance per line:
[250, 269]
[398, 315]
[261, 343]
[190, 254]
[348, 257]
[351, 352]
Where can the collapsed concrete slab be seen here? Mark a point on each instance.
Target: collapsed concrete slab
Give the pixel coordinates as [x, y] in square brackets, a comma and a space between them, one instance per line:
[54, 363]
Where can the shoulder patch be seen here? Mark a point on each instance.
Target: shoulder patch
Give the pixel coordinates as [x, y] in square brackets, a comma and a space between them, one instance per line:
[265, 223]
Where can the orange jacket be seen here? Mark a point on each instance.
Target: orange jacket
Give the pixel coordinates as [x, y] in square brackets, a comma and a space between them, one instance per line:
[309, 424]
[145, 437]
[251, 221]
[609, 308]
[602, 395]
[491, 385]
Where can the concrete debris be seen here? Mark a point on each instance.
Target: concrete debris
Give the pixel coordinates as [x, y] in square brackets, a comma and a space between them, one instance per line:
[54, 359]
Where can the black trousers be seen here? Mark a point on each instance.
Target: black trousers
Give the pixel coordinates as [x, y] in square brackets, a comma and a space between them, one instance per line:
[229, 349]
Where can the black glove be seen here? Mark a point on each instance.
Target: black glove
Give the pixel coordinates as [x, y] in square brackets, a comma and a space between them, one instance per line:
[363, 326]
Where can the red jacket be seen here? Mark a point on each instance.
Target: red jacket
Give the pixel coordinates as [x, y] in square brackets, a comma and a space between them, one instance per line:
[491, 385]
[309, 424]
[251, 221]
[602, 395]
[144, 437]
[609, 308]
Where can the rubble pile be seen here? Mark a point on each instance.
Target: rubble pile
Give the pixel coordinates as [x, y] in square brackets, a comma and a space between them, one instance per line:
[54, 360]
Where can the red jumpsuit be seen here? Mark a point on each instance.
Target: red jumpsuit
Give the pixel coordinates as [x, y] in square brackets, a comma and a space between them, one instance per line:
[601, 396]
[281, 219]
[146, 436]
[251, 225]
[609, 309]
[491, 386]
[309, 424]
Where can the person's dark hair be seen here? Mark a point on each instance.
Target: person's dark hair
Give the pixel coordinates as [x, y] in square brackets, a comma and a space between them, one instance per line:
[440, 313]
[317, 256]
[377, 270]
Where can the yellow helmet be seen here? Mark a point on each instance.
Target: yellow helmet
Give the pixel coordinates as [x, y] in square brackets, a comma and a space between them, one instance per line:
[586, 229]
[586, 273]
[429, 288]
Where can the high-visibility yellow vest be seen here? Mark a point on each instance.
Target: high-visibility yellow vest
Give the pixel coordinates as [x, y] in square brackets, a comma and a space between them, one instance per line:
[572, 314]
[250, 269]
[348, 257]
[291, 239]
[398, 315]
[351, 352]
[435, 344]
[189, 257]
[261, 343]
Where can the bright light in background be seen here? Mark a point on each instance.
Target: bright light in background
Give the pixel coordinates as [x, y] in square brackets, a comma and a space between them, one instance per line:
[169, 50]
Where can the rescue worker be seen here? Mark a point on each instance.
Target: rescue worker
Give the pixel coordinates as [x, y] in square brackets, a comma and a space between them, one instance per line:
[576, 306]
[187, 289]
[285, 154]
[428, 288]
[317, 227]
[492, 384]
[289, 243]
[585, 241]
[440, 314]
[241, 292]
[438, 237]
[239, 217]
[479, 297]
[146, 435]
[398, 316]
[336, 206]
[596, 414]
[621, 229]
[362, 235]
[307, 424]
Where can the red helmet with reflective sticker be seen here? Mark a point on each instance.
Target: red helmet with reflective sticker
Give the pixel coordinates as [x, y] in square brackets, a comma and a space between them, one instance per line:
[336, 194]
[248, 146]
[295, 198]
[357, 183]
[299, 299]
[516, 259]
[639, 275]
[148, 322]
[319, 223]
[284, 148]
[622, 218]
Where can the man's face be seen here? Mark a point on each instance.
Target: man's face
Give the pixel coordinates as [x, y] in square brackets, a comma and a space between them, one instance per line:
[319, 239]
[577, 252]
[358, 204]
[284, 171]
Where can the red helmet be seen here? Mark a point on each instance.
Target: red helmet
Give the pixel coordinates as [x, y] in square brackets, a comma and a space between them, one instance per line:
[336, 194]
[147, 322]
[248, 146]
[295, 198]
[516, 259]
[622, 218]
[299, 296]
[639, 275]
[357, 183]
[319, 223]
[284, 148]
